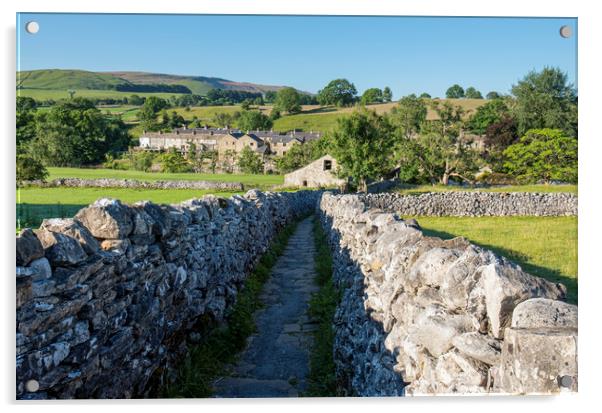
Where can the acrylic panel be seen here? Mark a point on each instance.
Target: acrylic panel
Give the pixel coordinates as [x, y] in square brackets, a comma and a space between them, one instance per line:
[227, 206]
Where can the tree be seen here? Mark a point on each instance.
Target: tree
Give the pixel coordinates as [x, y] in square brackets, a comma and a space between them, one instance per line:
[246, 104]
[387, 94]
[136, 100]
[491, 112]
[270, 96]
[222, 119]
[372, 95]
[425, 95]
[228, 160]
[408, 115]
[501, 134]
[455, 92]
[249, 162]
[288, 100]
[71, 93]
[75, 133]
[300, 155]
[472, 93]
[545, 100]
[493, 95]
[29, 169]
[26, 126]
[438, 153]
[253, 120]
[148, 113]
[361, 144]
[339, 92]
[174, 162]
[543, 155]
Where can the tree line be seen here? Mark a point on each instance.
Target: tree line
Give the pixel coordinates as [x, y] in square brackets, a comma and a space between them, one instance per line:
[528, 137]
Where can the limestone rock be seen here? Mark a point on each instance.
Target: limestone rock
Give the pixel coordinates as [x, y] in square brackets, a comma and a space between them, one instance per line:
[106, 218]
[538, 361]
[478, 346]
[543, 312]
[28, 247]
[74, 229]
[61, 249]
[506, 286]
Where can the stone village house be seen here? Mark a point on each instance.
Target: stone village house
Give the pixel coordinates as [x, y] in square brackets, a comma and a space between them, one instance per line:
[319, 173]
[225, 141]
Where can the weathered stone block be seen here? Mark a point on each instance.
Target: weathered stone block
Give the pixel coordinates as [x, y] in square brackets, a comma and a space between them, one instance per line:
[539, 361]
[61, 249]
[28, 247]
[107, 218]
[506, 286]
[73, 229]
[543, 312]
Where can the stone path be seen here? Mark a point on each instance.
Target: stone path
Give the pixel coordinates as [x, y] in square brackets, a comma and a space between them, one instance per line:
[276, 360]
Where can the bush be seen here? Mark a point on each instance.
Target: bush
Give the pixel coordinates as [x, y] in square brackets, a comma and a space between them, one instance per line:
[174, 162]
[28, 169]
[543, 155]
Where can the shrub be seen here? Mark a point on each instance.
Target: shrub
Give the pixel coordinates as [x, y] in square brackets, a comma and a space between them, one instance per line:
[28, 169]
[543, 155]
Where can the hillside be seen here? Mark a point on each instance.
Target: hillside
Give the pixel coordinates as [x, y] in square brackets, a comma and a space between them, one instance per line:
[61, 80]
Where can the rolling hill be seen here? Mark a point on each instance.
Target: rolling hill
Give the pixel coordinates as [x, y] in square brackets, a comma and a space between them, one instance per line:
[62, 80]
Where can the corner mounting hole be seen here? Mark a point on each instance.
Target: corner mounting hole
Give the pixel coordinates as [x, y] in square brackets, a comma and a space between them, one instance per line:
[566, 31]
[32, 27]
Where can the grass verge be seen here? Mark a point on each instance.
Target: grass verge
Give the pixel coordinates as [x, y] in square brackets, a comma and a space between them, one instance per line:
[206, 361]
[322, 306]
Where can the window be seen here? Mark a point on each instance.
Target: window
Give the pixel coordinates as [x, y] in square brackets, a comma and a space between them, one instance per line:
[327, 164]
[304, 183]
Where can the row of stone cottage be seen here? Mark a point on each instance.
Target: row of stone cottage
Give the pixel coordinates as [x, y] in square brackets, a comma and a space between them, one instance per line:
[222, 140]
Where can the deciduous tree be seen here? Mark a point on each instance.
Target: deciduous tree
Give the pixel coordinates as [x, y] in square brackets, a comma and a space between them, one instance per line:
[543, 155]
[455, 92]
[545, 100]
[361, 144]
[288, 100]
[339, 92]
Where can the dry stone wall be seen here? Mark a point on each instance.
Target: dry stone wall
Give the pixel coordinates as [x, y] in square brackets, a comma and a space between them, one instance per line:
[420, 315]
[475, 203]
[136, 184]
[106, 299]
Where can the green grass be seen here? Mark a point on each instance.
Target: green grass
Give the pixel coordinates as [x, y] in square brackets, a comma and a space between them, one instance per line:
[322, 306]
[249, 180]
[57, 94]
[35, 204]
[542, 246]
[207, 361]
[421, 189]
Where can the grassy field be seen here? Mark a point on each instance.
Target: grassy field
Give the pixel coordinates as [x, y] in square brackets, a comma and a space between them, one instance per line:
[35, 204]
[421, 189]
[542, 246]
[57, 94]
[314, 117]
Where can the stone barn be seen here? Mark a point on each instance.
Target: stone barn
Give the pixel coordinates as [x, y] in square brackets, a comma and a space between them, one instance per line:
[319, 173]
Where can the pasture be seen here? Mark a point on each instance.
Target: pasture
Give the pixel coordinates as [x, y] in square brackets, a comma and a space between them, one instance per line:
[542, 246]
[58, 94]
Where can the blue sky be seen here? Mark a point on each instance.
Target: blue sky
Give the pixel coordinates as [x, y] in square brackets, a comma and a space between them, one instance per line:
[408, 54]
